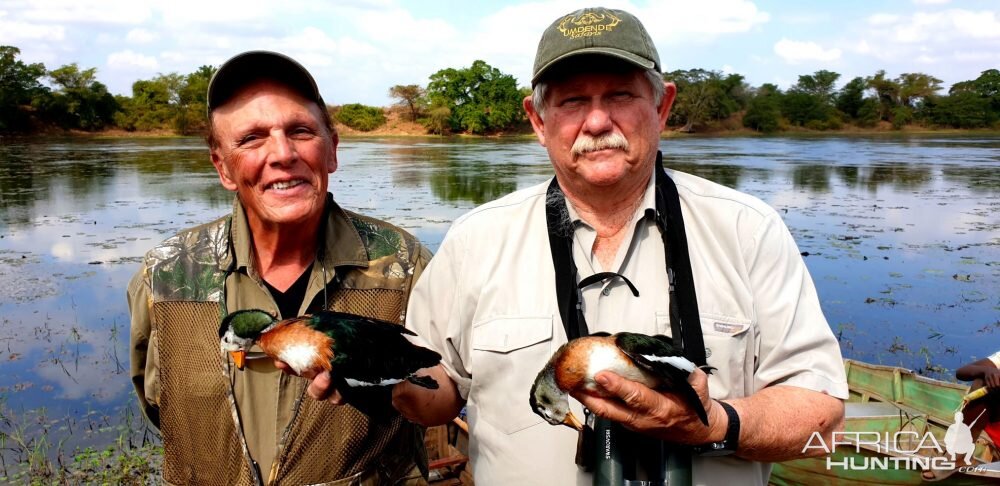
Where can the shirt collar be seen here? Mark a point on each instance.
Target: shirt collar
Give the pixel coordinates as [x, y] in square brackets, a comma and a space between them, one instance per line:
[341, 244]
[647, 209]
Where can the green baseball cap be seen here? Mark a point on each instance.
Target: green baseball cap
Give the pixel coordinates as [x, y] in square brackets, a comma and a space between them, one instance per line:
[596, 30]
[246, 67]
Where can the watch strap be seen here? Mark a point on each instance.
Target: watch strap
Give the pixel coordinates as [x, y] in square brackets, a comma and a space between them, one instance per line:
[731, 441]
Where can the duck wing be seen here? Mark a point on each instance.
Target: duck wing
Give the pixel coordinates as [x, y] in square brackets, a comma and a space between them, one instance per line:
[370, 352]
[658, 356]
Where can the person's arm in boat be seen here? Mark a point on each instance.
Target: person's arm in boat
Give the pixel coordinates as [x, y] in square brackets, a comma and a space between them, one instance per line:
[984, 370]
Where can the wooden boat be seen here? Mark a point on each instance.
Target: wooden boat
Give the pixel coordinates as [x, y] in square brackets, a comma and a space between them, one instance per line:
[891, 402]
[448, 454]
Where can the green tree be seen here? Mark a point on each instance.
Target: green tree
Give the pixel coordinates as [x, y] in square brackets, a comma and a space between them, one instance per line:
[902, 115]
[411, 96]
[869, 113]
[962, 109]
[886, 93]
[193, 102]
[916, 87]
[20, 85]
[704, 96]
[152, 106]
[810, 101]
[361, 117]
[850, 98]
[819, 84]
[764, 111]
[480, 98]
[167, 102]
[986, 86]
[83, 101]
[437, 119]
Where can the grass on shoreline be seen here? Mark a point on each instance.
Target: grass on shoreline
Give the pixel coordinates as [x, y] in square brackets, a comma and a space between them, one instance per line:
[33, 449]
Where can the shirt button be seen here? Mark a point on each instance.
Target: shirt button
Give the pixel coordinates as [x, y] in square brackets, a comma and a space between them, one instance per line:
[606, 292]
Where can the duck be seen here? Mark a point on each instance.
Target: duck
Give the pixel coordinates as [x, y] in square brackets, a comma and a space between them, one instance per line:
[651, 360]
[361, 351]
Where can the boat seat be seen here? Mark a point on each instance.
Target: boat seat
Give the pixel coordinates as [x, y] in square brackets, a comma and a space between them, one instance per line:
[870, 409]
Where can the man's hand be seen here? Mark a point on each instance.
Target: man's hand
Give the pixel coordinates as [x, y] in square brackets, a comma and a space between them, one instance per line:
[663, 415]
[991, 379]
[320, 388]
[428, 407]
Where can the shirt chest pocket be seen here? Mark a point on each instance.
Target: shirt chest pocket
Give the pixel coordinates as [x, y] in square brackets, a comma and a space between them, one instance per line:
[729, 345]
[507, 354]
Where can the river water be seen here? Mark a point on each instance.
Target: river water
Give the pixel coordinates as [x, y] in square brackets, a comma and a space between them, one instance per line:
[902, 237]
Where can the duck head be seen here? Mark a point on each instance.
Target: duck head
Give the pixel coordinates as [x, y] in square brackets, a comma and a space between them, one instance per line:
[240, 329]
[550, 402]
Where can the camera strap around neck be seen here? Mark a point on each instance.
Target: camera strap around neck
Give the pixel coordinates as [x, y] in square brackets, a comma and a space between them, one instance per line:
[684, 322]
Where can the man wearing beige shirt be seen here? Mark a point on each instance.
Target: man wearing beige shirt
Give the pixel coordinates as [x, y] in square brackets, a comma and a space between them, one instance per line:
[492, 304]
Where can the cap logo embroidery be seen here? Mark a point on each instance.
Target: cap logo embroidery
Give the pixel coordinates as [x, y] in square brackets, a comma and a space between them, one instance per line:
[588, 24]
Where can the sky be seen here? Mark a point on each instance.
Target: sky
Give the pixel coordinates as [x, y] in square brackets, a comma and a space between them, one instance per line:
[358, 49]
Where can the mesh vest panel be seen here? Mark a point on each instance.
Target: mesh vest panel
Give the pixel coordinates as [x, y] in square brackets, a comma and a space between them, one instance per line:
[324, 442]
[193, 403]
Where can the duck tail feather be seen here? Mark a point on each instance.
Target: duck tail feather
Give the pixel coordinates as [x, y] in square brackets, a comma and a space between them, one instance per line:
[424, 381]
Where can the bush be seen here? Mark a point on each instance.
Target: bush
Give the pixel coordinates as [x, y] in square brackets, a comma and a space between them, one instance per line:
[901, 116]
[763, 114]
[361, 117]
[436, 121]
[868, 113]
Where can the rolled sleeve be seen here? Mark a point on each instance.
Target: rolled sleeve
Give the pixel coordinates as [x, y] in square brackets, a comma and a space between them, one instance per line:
[437, 314]
[995, 358]
[143, 360]
[797, 346]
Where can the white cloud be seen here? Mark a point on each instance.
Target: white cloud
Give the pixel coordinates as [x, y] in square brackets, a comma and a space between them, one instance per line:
[310, 39]
[130, 60]
[803, 18]
[185, 14]
[711, 17]
[985, 57]
[140, 36]
[934, 37]
[952, 44]
[883, 19]
[80, 11]
[173, 56]
[15, 32]
[799, 51]
[980, 25]
[105, 39]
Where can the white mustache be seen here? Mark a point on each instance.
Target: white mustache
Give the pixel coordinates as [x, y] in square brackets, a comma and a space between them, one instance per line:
[586, 143]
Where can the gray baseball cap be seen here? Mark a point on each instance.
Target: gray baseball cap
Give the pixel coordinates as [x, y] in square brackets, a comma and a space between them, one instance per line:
[595, 30]
[246, 67]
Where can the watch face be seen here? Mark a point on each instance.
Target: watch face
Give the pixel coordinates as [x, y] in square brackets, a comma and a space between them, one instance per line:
[715, 449]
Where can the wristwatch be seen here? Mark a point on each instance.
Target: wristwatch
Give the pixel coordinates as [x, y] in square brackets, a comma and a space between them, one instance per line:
[727, 445]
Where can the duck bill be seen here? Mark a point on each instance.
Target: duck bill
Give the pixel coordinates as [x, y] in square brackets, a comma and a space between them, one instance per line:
[239, 358]
[572, 421]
